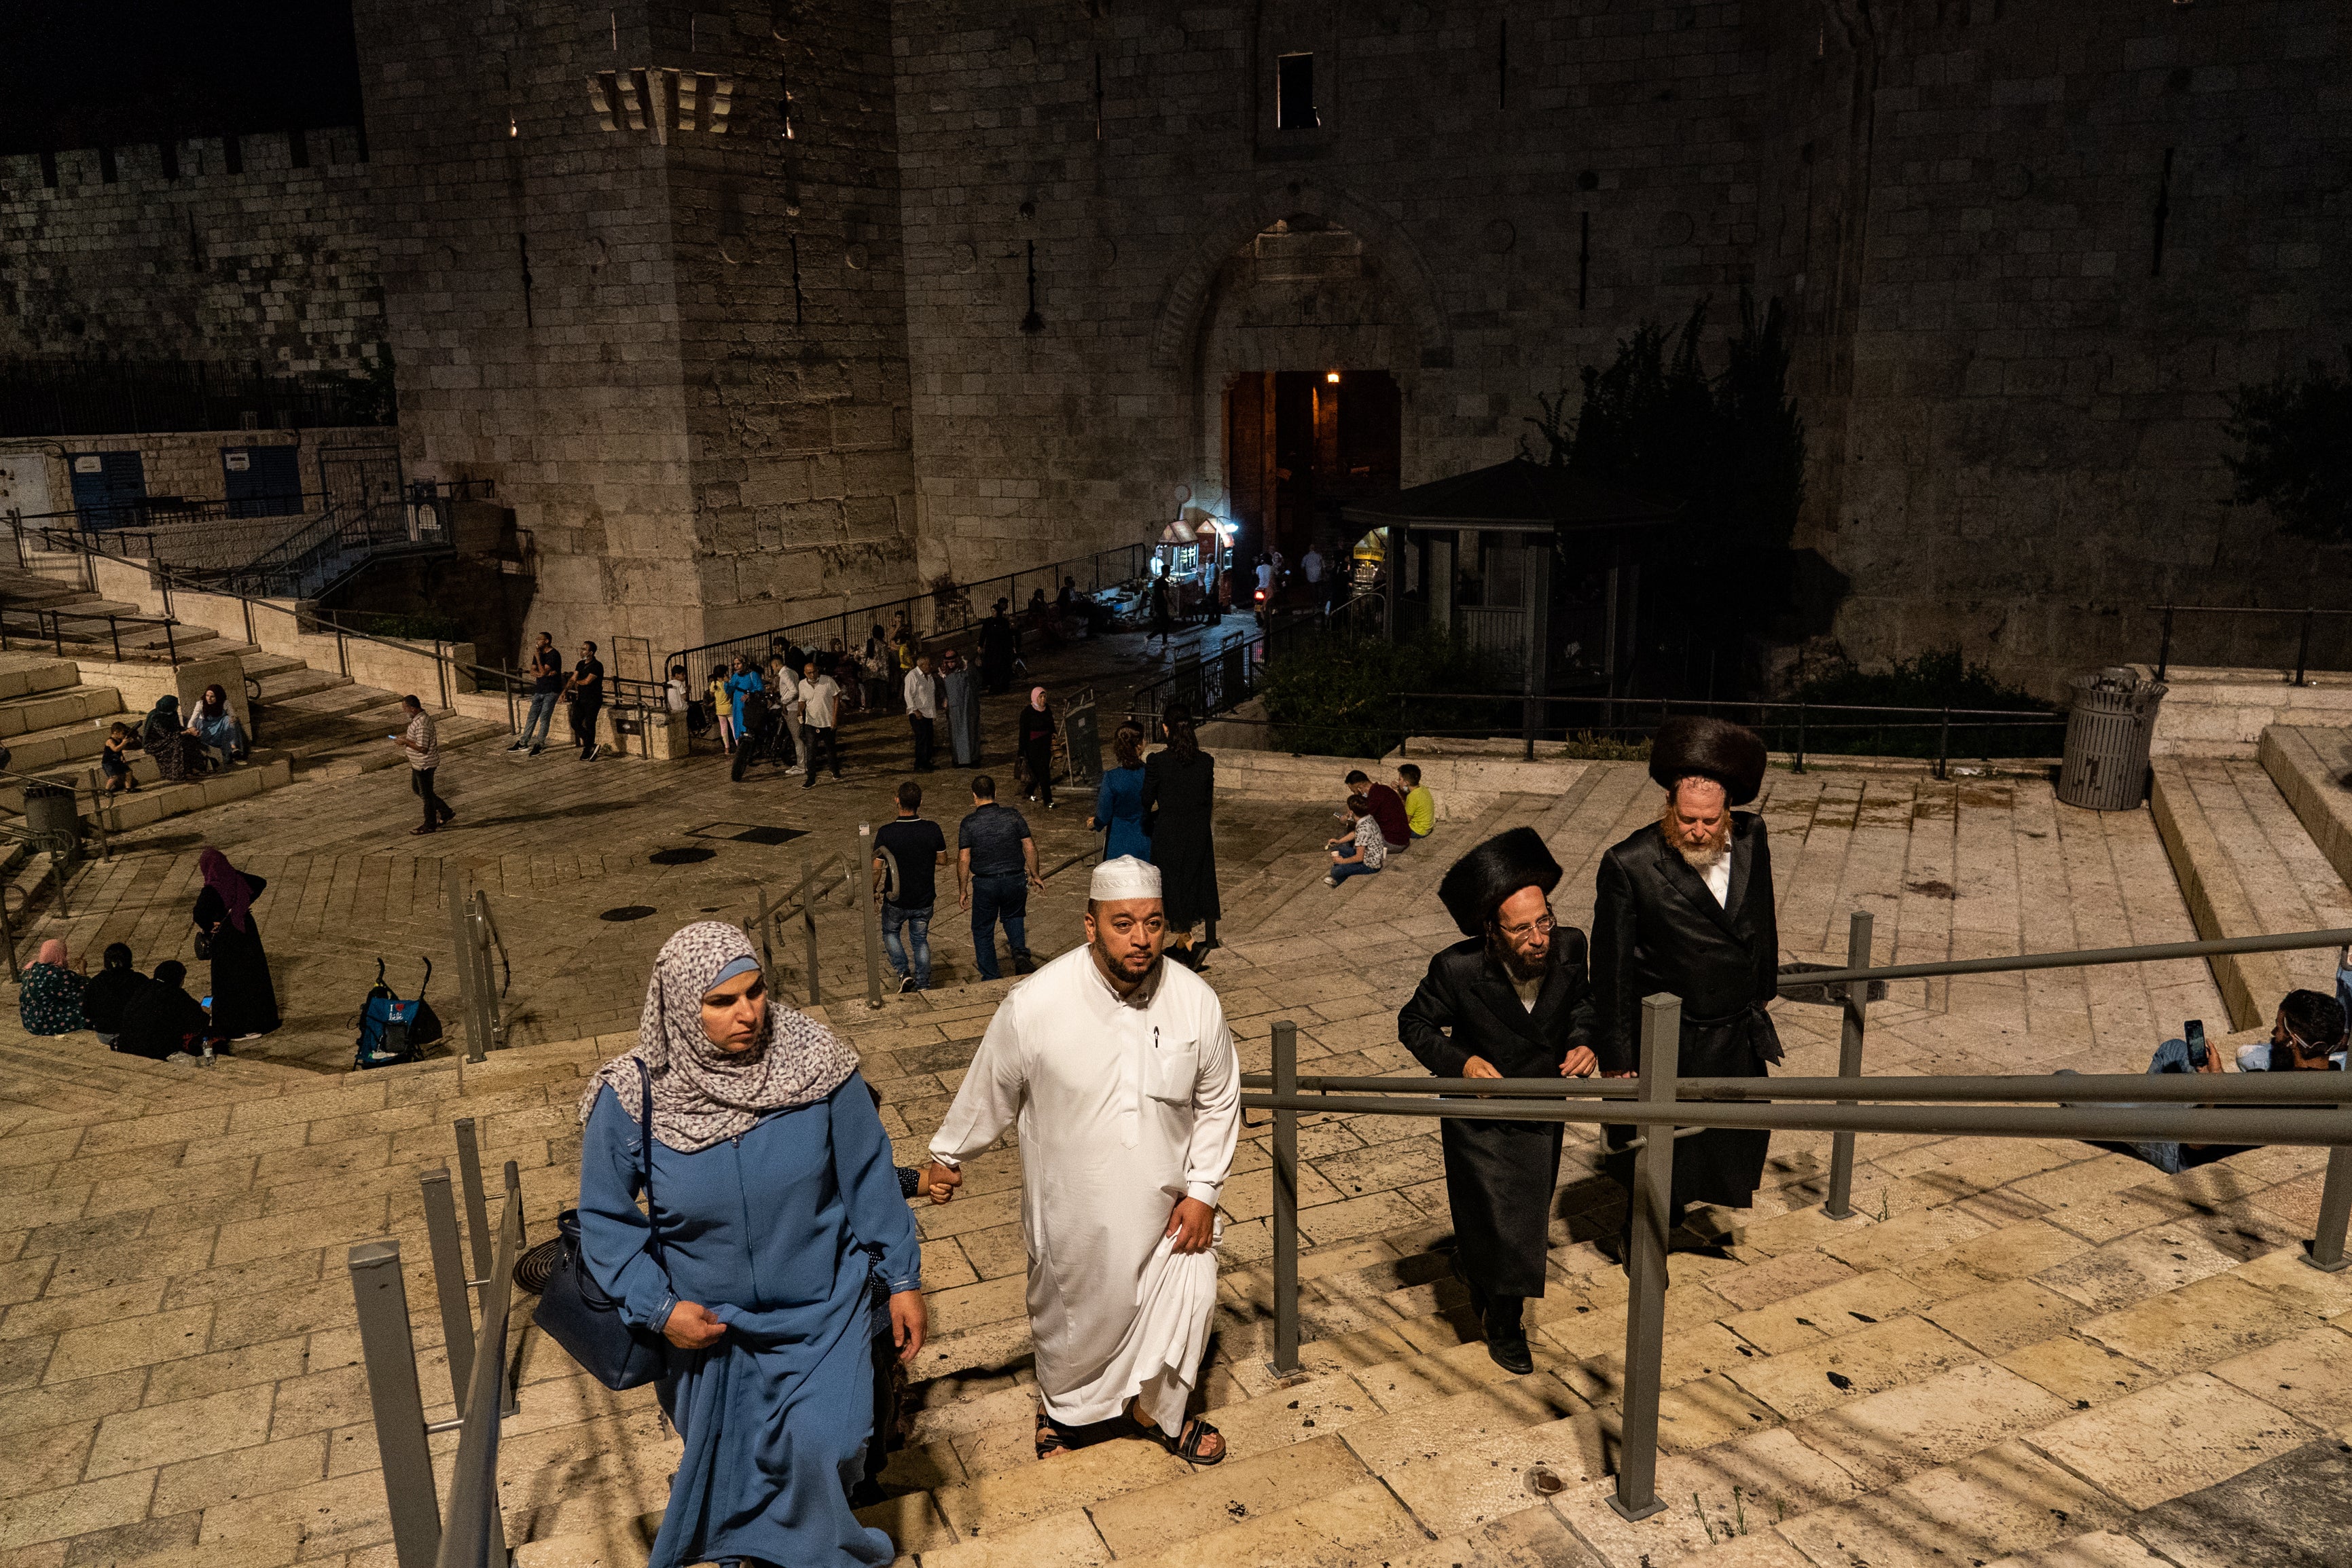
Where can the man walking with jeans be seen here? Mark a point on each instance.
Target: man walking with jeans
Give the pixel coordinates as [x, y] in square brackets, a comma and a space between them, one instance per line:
[907, 853]
[424, 750]
[546, 689]
[996, 865]
[820, 697]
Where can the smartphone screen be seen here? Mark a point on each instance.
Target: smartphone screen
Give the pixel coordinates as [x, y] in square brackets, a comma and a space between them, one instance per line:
[2196, 1032]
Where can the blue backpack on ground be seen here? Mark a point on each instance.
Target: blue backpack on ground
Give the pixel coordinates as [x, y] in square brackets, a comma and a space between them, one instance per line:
[393, 1031]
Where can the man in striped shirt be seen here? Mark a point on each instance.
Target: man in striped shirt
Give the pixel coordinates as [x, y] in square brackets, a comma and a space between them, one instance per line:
[424, 750]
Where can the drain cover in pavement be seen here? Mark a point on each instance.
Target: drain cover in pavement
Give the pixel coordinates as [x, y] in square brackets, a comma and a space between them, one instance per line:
[681, 857]
[627, 912]
[747, 832]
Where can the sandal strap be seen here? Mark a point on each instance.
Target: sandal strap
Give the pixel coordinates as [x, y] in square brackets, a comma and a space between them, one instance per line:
[1196, 1430]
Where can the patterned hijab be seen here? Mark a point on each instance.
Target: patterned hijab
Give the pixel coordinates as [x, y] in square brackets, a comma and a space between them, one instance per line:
[703, 1095]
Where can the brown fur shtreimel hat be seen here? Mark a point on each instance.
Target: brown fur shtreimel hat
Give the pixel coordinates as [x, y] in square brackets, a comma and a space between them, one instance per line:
[1695, 747]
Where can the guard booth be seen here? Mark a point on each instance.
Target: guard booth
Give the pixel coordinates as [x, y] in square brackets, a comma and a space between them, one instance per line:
[1536, 567]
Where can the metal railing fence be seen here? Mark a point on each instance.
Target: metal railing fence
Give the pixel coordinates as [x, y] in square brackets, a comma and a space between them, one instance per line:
[482, 995]
[1215, 683]
[2305, 621]
[469, 1534]
[93, 397]
[2217, 1109]
[952, 612]
[54, 625]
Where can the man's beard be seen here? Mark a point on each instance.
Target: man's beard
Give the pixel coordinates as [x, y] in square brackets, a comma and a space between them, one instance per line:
[1703, 858]
[1110, 966]
[1518, 969]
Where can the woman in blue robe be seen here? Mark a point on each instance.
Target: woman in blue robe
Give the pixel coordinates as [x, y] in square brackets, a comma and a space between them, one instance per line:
[1118, 802]
[777, 1231]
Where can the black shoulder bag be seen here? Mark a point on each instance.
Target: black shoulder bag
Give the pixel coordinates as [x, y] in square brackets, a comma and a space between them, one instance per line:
[576, 1313]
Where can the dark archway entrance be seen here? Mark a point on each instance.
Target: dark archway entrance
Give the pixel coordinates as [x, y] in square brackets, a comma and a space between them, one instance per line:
[1300, 444]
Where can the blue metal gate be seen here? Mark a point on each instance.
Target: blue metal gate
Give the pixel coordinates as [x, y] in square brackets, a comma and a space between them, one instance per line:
[262, 481]
[109, 489]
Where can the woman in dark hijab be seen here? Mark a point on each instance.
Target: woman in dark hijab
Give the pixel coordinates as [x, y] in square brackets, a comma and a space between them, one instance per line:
[245, 1002]
[163, 736]
[775, 1243]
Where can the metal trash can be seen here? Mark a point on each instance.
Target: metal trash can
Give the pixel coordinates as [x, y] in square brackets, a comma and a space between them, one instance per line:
[49, 811]
[2107, 735]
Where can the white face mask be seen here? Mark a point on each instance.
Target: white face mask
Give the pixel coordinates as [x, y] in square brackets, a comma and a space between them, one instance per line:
[2255, 1056]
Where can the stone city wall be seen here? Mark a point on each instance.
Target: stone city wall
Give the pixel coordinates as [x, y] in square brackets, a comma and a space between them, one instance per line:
[274, 265]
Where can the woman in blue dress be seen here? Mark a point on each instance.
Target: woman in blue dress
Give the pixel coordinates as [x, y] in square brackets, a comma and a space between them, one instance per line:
[1118, 802]
[777, 1230]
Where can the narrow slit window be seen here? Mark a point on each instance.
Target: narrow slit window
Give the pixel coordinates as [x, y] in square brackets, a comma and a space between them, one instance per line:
[1294, 93]
[106, 170]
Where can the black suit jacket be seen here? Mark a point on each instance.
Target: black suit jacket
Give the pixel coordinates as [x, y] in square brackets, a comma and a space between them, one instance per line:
[1656, 927]
[1465, 991]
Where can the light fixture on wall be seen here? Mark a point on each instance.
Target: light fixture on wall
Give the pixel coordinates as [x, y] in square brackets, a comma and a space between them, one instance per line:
[1331, 376]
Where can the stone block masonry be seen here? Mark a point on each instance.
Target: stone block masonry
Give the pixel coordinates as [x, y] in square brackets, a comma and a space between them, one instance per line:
[671, 333]
[163, 253]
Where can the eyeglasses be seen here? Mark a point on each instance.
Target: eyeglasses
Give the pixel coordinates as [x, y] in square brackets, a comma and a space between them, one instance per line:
[1543, 923]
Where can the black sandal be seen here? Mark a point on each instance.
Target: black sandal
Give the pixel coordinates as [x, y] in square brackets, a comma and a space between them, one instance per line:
[1196, 1430]
[1051, 1439]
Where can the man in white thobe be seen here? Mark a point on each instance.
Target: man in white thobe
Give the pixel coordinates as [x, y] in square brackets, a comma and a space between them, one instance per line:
[1123, 1078]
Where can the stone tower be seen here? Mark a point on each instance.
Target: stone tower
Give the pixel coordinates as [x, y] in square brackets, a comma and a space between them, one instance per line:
[640, 268]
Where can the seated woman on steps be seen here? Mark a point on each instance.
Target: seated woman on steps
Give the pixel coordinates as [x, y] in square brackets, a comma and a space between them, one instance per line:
[164, 737]
[777, 1244]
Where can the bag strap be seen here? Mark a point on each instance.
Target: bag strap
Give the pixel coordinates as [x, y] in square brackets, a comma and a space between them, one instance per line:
[645, 1148]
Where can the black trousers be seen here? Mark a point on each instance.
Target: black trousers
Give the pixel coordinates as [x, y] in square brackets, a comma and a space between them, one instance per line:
[583, 724]
[821, 741]
[1039, 756]
[437, 809]
[923, 729]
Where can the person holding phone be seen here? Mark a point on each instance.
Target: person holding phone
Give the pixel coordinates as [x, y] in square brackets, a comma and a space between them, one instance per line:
[423, 748]
[2307, 1035]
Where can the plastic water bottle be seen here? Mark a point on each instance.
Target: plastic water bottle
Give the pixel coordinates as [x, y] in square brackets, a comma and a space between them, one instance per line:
[208, 1052]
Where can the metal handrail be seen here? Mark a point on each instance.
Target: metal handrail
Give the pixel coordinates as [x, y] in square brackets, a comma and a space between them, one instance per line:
[2302, 650]
[469, 1534]
[966, 593]
[2201, 1108]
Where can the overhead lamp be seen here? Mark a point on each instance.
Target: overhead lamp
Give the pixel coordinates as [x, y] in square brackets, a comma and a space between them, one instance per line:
[1331, 376]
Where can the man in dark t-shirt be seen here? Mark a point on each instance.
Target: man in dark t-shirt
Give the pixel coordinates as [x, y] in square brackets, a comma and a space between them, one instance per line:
[907, 855]
[996, 864]
[546, 686]
[587, 685]
[1388, 809]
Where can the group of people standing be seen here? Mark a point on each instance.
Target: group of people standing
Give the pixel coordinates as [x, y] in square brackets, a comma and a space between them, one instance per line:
[581, 692]
[154, 1016]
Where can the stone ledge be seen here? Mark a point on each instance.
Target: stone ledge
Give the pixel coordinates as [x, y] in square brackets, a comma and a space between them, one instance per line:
[2309, 766]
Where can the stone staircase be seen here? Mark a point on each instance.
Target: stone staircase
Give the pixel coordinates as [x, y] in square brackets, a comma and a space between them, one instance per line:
[323, 722]
[2015, 1353]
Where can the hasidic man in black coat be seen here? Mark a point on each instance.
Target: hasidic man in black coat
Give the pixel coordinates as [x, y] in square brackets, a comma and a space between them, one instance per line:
[1686, 907]
[1509, 1001]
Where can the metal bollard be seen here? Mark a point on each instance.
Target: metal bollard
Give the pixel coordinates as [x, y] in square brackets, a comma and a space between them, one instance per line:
[512, 1400]
[1645, 1265]
[2327, 1250]
[461, 940]
[478, 1212]
[808, 924]
[868, 916]
[1286, 1203]
[1858, 997]
[450, 1281]
[390, 1359]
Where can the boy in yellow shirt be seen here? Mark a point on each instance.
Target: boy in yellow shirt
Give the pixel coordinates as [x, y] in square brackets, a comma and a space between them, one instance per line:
[1420, 808]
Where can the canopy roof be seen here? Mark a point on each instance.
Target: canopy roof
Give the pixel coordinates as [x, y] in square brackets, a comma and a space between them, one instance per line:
[1518, 496]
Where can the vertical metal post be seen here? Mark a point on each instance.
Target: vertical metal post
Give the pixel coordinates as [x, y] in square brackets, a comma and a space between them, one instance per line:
[114, 633]
[2327, 1250]
[461, 938]
[478, 1212]
[2302, 650]
[1858, 997]
[808, 924]
[493, 1013]
[1944, 745]
[450, 1281]
[1286, 1202]
[512, 1400]
[1645, 1264]
[868, 916]
[1799, 765]
[383, 1300]
[2164, 649]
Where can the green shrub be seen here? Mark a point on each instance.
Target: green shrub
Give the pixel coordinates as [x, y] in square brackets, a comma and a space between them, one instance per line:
[1343, 699]
[1937, 679]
